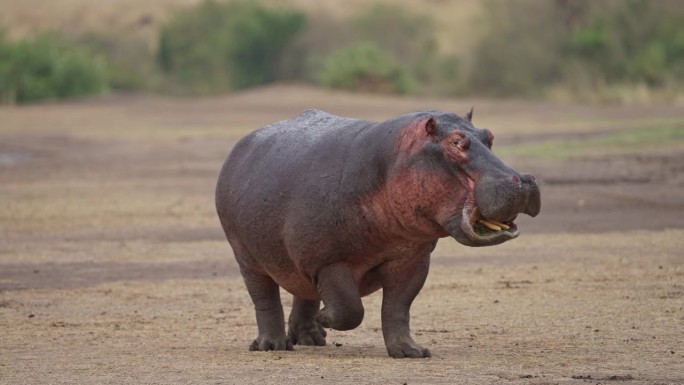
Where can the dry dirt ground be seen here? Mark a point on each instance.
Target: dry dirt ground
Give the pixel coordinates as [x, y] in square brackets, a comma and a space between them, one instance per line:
[113, 268]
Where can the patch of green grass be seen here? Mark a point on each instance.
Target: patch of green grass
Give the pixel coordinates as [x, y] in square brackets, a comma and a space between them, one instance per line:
[614, 143]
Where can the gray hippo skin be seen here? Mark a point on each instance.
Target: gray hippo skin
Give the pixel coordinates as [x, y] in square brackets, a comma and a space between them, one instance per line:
[332, 209]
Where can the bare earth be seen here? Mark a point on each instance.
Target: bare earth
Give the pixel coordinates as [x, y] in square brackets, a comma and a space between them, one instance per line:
[114, 270]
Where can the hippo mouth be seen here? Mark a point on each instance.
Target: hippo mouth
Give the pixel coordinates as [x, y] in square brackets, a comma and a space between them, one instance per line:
[470, 228]
[479, 228]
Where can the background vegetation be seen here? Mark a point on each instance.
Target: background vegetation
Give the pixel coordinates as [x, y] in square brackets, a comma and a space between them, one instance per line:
[215, 46]
[47, 67]
[591, 51]
[580, 47]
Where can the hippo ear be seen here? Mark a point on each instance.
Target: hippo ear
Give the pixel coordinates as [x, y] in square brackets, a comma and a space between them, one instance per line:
[431, 126]
[469, 115]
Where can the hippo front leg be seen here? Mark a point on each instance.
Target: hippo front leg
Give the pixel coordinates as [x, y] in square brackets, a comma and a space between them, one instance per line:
[343, 309]
[401, 283]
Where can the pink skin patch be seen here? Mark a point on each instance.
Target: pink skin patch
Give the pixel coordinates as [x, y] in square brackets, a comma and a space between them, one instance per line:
[411, 138]
[417, 200]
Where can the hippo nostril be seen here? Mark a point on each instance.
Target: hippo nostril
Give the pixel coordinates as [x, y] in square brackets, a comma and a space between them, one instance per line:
[527, 178]
[515, 179]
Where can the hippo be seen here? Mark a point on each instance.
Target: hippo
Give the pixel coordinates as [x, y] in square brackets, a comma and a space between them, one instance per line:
[332, 209]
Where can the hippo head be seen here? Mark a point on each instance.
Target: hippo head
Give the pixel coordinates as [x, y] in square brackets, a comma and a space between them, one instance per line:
[471, 194]
[493, 194]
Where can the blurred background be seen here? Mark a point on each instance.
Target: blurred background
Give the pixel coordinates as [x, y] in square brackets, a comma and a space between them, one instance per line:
[610, 51]
[116, 116]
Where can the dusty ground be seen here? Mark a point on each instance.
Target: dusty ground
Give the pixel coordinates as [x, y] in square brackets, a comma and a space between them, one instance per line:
[113, 268]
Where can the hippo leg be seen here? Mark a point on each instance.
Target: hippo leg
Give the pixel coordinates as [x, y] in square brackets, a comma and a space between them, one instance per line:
[401, 282]
[303, 329]
[339, 291]
[269, 312]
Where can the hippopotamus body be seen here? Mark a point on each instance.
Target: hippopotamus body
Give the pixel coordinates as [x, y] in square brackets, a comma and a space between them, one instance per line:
[332, 209]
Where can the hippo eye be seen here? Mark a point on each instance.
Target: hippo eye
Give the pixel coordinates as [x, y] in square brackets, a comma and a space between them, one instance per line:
[461, 143]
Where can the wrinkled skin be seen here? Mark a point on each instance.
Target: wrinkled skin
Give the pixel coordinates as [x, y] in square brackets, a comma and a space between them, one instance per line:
[332, 209]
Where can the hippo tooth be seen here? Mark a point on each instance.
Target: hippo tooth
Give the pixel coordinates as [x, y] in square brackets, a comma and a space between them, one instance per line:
[490, 225]
[502, 225]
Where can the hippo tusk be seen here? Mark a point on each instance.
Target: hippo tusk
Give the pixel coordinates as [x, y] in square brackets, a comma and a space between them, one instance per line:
[496, 223]
[490, 225]
[466, 233]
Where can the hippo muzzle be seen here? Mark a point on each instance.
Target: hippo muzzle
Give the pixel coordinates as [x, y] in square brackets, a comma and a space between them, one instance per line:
[488, 215]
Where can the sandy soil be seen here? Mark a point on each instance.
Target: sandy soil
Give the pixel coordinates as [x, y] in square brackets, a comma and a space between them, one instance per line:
[114, 270]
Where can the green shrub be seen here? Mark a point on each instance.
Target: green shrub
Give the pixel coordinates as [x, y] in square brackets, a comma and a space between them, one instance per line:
[530, 46]
[47, 67]
[7, 86]
[364, 67]
[631, 42]
[409, 37]
[398, 40]
[221, 46]
[129, 61]
[520, 52]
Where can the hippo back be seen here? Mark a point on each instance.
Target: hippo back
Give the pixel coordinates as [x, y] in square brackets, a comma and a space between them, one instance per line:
[296, 177]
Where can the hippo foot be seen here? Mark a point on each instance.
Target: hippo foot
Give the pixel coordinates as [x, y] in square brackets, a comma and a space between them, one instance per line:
[340, 318]
[265, 344]
[308, 334]
[408, 350]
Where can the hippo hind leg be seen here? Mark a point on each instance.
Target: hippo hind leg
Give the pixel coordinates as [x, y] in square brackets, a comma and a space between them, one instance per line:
[303, 329]
[265, 295]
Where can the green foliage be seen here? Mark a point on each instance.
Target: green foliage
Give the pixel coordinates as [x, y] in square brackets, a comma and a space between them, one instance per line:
[408, 37]
[635, 41]
[220, 46]
[364, 67]
[520, 50]
[401, 43]
[531, 46]
[130, 62]
[611, 50]
[7, 88]
[47, 67]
